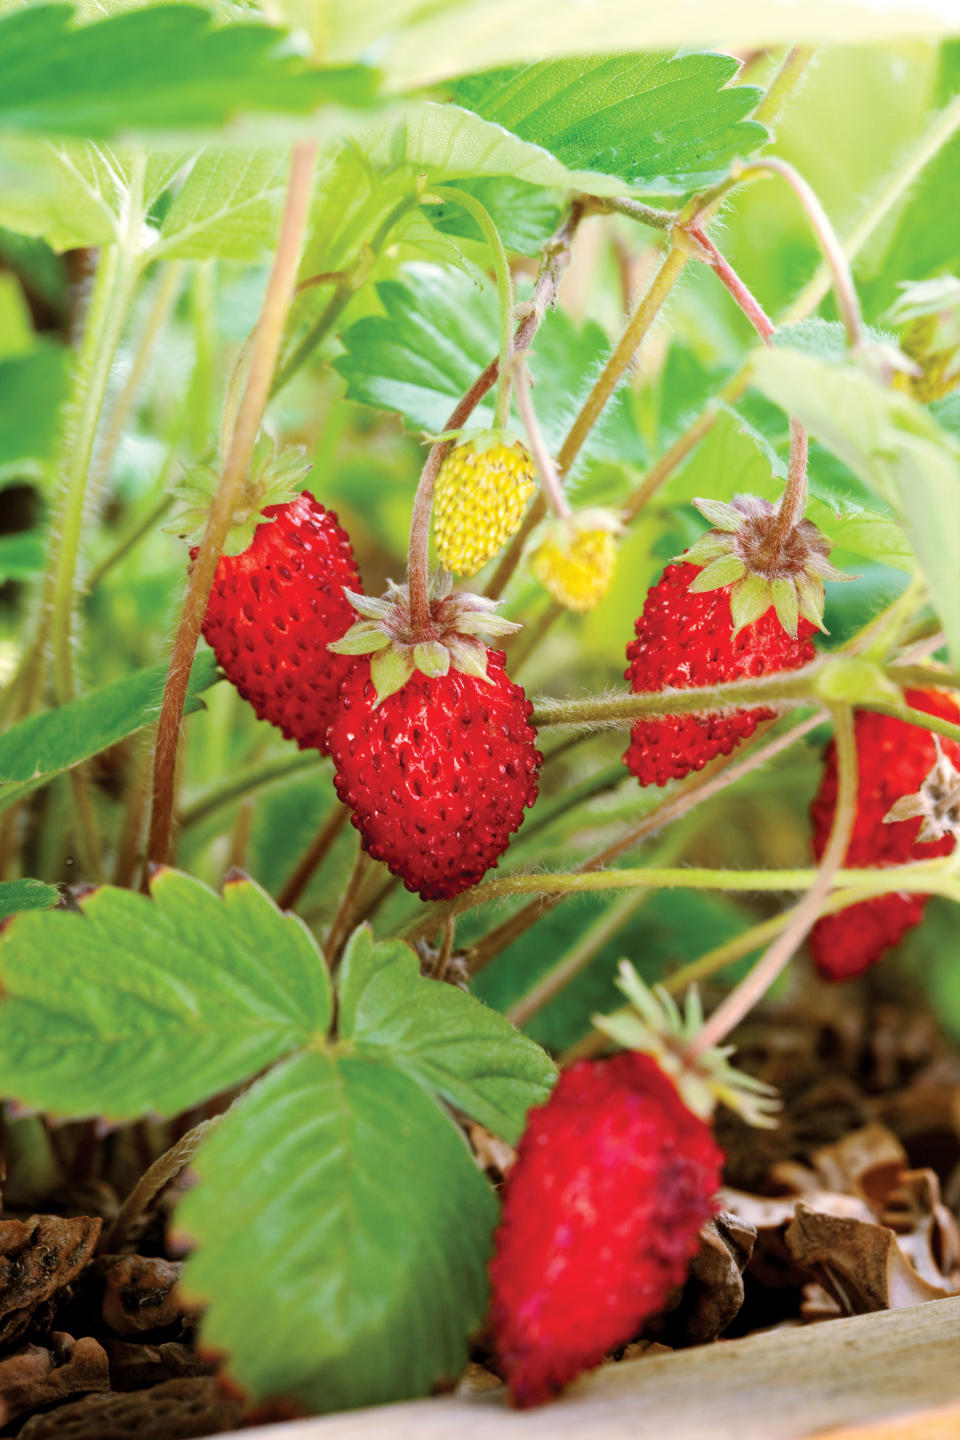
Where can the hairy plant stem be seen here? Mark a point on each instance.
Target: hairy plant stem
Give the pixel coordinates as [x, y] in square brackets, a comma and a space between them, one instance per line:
[347, 916]
[744, 996]
[691, 791]
[554, 260]
[637, 328]
[711, 963]
[313, 857]
[154, 1180]
[550, 481]
[915, 878]
[113, 290]
[784, 84]
[848, 302]
[501, 268]
[794, 687]
[338, 302]
[938, 133]
[276, 304]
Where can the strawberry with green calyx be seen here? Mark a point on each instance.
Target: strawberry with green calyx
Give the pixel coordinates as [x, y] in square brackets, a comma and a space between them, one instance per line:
[743, 601]
[929, 312]
[614, 1177]
[481, 493]
[278, 597]
[575, 557]
[432, 744]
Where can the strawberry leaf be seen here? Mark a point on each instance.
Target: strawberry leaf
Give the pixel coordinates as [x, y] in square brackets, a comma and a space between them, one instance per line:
[140, 1005]
[442, 1037]
[40, 747]
[658, 122]
[439, 331]
[165, 66]
[17, 895]
[343, 1231]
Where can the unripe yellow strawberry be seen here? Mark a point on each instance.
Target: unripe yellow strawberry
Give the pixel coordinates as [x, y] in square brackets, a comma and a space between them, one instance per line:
[576, 558]
[482, 491]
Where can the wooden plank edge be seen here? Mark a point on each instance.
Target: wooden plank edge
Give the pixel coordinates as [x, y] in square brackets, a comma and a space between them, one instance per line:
[788, 1384]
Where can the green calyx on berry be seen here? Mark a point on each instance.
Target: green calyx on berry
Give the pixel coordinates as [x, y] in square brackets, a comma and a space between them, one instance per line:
[274, 478]
[455, 639]
[763, 567]
[936, 803]
[656, 1025]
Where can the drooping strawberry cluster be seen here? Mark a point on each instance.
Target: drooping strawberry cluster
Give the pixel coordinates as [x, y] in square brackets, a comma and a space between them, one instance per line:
[613, 1179]
[274, 609]
[687, 638]
[894, 759]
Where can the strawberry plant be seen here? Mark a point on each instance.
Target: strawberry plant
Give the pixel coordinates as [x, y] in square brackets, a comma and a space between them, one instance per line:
[375, 384]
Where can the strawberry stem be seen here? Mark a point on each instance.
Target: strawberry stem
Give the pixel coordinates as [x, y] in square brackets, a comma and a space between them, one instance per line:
[793, 501]
[744, 996]
[313, 857]
[266, 345]
[552, 488]
[501, 266]
[833, 253]
[918, 878]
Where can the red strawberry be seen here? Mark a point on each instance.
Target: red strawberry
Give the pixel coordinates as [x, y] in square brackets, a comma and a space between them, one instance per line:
[685, 639]
[613, 1180]
[894, 758]
[274, 609]
[432, 744]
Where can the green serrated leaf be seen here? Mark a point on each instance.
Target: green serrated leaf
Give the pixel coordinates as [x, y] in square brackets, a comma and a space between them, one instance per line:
[141, 1005]
[439, 331]
[228, 207]
[165, 66]
[364, 1228]
[660, 122]
[17, 895]
[442, 1037]
[36, 749]
[525, 215]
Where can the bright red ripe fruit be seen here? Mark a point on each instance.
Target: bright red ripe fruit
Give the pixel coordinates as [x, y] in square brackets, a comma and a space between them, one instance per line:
[686, 639]
[894, 758]
[438, 774]
[274, 609]
[613, 1180]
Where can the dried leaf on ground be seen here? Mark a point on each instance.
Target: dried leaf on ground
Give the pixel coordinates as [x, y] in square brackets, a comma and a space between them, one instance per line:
[35, 1375]
[141, 1294]
[176, 1410]
[38, 1259]
[858, 1263]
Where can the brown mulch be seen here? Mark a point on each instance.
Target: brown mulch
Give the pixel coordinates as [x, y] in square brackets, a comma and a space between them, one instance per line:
[850, 1206]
